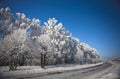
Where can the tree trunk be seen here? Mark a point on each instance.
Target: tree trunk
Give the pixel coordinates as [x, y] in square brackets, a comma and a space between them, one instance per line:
[42, 60]
[13, 63]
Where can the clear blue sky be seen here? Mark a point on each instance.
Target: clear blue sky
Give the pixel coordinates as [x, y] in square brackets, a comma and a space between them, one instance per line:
[95, 22]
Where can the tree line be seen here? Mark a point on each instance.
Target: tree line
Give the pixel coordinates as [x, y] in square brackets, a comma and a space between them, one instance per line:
[25, 42]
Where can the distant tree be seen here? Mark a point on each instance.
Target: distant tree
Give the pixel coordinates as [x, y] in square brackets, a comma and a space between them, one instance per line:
[89, 53]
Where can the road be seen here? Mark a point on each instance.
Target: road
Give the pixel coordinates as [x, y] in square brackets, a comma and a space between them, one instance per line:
[77, 74]
[87, 73]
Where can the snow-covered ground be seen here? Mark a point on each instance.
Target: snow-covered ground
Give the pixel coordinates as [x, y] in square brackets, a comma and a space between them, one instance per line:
[114, 74]
[25, 70]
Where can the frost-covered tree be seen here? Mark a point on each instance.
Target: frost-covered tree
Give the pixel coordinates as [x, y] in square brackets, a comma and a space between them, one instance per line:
[6, 22]
[22, 21]
[12, 28]
[64, 46]
[13, 45]
[89, 53]
[43, 47]
[79, 55]
[52, 29]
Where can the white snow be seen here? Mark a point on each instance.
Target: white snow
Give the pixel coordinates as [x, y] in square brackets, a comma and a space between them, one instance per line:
[24, 70]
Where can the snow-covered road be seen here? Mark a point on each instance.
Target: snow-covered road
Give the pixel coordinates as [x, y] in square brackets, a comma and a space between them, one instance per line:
[113, 73]
[106, 71]
[24, 71]
[110, 72]
[76, 72]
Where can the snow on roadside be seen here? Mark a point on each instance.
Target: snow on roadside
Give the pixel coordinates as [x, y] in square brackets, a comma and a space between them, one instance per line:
[24, 70]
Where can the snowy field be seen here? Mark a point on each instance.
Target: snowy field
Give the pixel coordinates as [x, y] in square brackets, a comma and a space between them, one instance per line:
[25, 70]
